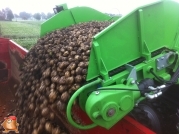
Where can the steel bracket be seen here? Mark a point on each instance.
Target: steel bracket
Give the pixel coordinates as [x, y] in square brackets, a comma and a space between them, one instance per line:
[164, 61]
[133, 72]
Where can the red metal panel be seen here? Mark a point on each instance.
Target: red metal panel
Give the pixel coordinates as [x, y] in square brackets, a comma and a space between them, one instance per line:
[5, 59]
[126, 126]
[17, 53]
[16, 47]
[7, 46]
[11, 54]
[4, 51]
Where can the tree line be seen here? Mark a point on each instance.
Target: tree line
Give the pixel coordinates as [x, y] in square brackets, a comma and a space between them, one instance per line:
[7, 14]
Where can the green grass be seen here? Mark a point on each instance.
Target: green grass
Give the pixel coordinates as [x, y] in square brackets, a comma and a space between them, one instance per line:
[25, 33]
[27, 42]
[32, 22]
[19, 28]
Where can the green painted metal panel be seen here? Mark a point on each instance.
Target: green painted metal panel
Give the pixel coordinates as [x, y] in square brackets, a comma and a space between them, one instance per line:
[122, 103]
[116, 44]
[86, 14]
[72, 16]
[171, 22]
[154, 26]
[60, 20]
[135, 35]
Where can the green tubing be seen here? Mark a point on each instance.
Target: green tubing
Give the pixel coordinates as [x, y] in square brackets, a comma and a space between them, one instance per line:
[70, 103]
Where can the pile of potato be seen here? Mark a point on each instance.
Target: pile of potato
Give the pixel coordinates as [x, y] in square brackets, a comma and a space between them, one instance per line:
[51, 72]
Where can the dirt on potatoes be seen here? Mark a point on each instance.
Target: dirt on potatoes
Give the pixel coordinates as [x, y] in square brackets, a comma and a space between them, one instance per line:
[51, 72]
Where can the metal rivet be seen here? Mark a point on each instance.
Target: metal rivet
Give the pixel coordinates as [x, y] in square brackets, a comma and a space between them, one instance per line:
[97, 92]
[133, 82]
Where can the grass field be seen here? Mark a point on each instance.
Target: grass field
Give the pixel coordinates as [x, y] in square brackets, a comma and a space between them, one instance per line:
[25, 33]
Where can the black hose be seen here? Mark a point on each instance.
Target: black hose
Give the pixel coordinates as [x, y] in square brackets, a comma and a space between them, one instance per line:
[169, 83]
[159, 78]
[175, 76]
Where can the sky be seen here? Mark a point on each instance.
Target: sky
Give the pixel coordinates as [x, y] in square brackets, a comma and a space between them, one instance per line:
[108, 6]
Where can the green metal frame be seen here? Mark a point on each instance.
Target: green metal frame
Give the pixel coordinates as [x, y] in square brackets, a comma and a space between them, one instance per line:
[140, 34]
[148, 33]
[73, 16]
[135, 35]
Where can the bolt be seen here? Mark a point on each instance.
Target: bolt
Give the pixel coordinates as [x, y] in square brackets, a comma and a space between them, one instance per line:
[133, 82]
[97, 92]
[158, 59]
[162, 66]
[158, 67]
[111, 112]
[162, 58]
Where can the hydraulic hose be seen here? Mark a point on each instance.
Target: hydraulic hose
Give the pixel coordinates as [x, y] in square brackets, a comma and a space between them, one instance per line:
[70, 104]
[169, 83]
[175, 76]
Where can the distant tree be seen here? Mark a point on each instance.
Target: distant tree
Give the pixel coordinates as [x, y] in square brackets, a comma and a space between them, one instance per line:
[2, 15]
[9, 14]
[49, 15]
[3, 10]
[16, 15]
[37, 16]
[24, 15]
[43, 16]
[30, 14]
